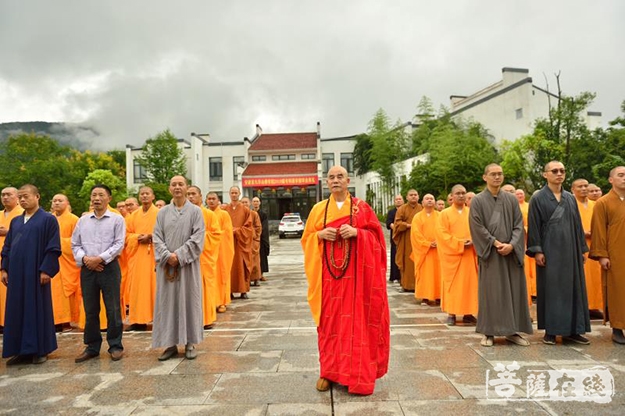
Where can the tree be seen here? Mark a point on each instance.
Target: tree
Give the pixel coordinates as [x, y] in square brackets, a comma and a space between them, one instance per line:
[162, 158]
[104, 177]
[52, 167]
[562, 136]
[457, 155]
[362, 154]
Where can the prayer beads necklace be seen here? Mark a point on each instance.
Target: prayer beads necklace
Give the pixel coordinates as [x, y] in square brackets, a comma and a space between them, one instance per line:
[348, 251]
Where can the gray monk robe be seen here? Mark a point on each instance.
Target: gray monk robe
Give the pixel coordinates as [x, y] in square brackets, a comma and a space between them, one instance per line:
[502, 291]
[178, 308]
[555, 229]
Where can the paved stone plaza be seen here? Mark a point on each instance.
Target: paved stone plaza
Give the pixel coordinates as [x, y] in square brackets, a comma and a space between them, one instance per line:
[261, 359]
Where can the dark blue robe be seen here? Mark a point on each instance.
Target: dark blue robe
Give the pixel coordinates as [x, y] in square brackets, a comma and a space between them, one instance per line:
[30, 249]
[395, 274]
[555, 229]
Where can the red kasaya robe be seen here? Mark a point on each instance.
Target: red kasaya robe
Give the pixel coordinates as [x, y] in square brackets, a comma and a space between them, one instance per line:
[351, 312]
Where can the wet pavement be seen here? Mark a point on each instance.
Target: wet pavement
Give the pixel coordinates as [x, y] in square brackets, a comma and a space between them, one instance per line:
[261, 359]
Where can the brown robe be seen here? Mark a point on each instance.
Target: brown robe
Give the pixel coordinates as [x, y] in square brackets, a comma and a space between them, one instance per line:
[401, 237]
[243, 235]
[608, 235]
[258, 229]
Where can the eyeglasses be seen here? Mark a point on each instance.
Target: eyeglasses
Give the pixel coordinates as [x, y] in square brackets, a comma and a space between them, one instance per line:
[495, 174]
[556, 171]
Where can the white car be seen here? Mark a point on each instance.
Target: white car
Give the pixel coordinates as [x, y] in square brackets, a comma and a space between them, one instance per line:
[291, 224]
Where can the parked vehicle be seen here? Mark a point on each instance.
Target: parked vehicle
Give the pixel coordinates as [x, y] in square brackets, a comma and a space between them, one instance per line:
[291, 224]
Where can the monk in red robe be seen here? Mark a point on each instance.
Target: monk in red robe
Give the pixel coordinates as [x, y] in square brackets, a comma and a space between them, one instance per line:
[345, 262]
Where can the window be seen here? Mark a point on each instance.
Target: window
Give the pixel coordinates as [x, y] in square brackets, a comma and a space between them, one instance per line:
[140, 173]
[327, 161]
[347, 161]
[215, 169]
[283, 157]
[260, 158]
[309, 156]
[519, 113]
[237, 162]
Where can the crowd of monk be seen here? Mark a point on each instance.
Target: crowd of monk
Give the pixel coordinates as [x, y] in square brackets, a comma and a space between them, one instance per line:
[433, 253]
[234, 256]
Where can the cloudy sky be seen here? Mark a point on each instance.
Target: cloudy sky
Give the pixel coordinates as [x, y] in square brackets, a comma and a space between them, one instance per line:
[134, 68]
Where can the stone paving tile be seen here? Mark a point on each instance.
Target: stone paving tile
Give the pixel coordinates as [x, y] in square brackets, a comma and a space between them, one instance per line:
[231, 362]
[218, 341]
[299, 409]
[262, 358]
[404, 385]
[267, 388]
[155, 390]
[471, 407]
[368, 409]
[291, 341]
[300, 361]
[207, 409]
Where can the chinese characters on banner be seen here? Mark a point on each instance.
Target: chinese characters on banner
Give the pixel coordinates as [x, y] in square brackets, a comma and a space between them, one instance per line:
[283, 181]
[594, 384]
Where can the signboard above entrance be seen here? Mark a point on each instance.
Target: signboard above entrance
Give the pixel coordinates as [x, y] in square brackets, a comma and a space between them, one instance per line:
[260, 182]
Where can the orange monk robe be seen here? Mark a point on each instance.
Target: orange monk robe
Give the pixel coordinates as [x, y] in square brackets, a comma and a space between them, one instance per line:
[592, 269]
[224, 261]
[258, 229]
[125, 265]
[424, 256]
[458, 262]
[208, 264]
[141, 266]
[530, 262]
[401, 237]
[5, 221]
[608, 234]
[65, 284]
[243, 234]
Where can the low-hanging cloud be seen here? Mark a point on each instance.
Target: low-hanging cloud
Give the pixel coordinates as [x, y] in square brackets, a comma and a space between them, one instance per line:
[132, 69]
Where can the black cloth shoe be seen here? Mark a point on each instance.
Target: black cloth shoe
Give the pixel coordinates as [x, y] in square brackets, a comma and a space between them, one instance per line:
[168, 353]
[244, 296]
[18, 359]
[617, 336]
[549, 339]
[578, 339]
[451, 320]
[39, 359]
[469, 319]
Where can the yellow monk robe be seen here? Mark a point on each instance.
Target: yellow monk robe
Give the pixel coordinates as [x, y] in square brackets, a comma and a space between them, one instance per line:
[221, 295]
[530, 262]
[458, 262]
[141, 266]
[65, 284]
[5, 221]
[424, 256]
[592, 269]
[125, 260]
[243, 235]
[608, 234]
[258, 229]
[401, 237]
[208, 265]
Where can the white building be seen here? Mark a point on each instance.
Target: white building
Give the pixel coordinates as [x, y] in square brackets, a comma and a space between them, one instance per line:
[285, 170]
[510, 107]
